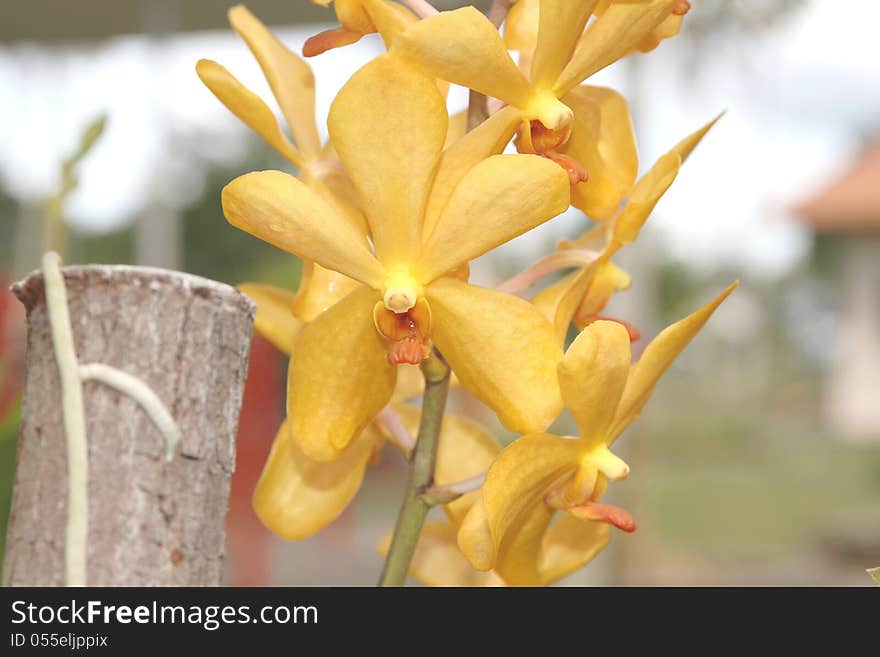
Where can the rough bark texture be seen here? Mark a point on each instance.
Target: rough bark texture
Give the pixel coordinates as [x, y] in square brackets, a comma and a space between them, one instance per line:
[151, 522]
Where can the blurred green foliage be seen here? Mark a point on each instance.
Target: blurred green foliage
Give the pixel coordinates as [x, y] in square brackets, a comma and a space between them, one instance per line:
[217, 250]
[827, 254]
[8, 451]
[8, 210]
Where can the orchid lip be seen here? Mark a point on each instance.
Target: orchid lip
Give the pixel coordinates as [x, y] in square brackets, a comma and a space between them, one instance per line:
[614, 515]
[408, 333]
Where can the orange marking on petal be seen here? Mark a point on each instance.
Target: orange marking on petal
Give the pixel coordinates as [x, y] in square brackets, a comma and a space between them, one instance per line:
[620, 518]
[681, 7]
[409, 350]
[408, 333]
[546, 142]
[545, 139]
[576, 172]
[329, 39]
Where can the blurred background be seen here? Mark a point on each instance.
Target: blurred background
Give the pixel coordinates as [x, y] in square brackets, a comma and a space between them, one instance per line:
[757, 461]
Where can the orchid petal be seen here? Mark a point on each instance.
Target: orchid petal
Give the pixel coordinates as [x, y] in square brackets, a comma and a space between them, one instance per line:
[488, 138]
[603, 142]
[521, 25]
[611, 36]
[606, 282]
[283, 211]
[569, 545]
[457, 129]
[513, 497]
[319, 289]
[502, 197]
[339, 378]
[474, 538]
[274, 320]
[463, 47]
[502, 350]
[667, 29]
[297, 496]
[389, 18]
[519, 557]
[592, 376]
[410, 383]
[289, 77]
[388, 125]
[686, 146]
[248, 107]
[655, 359]
[560, 25]
[525, 471]
[645, 196]
[353, 15]
[560, 301]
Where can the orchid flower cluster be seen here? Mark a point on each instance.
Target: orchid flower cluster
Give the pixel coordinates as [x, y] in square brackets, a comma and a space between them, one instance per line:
[386, 217]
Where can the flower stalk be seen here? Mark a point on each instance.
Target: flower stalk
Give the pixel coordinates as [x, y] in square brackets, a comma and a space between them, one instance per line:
[415, 505]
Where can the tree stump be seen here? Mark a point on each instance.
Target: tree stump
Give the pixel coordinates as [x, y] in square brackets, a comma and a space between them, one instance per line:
[152, 522]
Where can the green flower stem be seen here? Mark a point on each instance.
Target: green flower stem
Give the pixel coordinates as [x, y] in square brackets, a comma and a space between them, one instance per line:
[415, 505]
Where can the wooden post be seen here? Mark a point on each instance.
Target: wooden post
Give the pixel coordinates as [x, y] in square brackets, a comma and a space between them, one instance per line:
[150, 522]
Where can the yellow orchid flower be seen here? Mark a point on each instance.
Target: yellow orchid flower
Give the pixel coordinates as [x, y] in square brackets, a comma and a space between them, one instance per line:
[602, 142]
[297, 496]
[540, 474]
[463, 47]
[467, 449]
[388, 125]
[580, 297]
[282, 314]
[669, 28]
[293, 86]
[521, 26]
[357, 18]
[566, 547]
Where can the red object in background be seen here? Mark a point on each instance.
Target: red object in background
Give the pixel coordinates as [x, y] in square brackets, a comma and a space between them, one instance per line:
[248, 541]
[851, 202]
[10, 347]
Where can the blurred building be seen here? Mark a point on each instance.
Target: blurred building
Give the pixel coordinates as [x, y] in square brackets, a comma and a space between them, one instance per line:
[849, 211]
